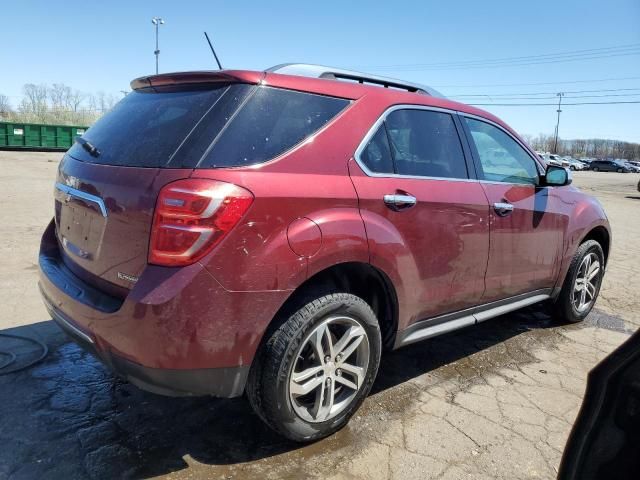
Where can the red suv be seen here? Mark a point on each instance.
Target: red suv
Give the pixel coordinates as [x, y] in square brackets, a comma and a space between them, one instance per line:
[273, 232]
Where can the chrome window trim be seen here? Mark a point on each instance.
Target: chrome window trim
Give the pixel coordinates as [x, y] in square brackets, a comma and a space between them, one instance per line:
[373, 130]
[74, 192]
[519, 184]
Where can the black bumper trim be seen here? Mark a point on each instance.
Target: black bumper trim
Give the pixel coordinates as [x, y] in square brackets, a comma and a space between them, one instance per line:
[64, 279]
[218, 382]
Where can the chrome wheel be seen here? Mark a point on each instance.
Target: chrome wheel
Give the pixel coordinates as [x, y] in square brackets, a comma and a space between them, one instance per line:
[587, 281]
[330, 369]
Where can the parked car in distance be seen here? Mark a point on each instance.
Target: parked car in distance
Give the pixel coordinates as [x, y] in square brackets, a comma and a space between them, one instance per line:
[274, 233]
[632, 167]
[609, 166]
[553, 159]
[576, 164]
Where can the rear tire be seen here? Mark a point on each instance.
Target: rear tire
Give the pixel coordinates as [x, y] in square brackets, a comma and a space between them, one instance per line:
[619, 170]
[582, 284]
[595, 169]
[314, 371]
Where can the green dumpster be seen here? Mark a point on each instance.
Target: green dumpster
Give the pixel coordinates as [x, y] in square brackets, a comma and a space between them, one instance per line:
[34, 136]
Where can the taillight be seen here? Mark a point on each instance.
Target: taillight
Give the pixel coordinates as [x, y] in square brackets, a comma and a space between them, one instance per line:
[191, 217]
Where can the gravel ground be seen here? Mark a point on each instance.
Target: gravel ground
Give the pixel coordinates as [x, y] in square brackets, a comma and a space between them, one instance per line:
[492, 401]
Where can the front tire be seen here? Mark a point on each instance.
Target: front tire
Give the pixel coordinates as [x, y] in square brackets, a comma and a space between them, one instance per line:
[596, 169]
[315, 370]
[582, 284]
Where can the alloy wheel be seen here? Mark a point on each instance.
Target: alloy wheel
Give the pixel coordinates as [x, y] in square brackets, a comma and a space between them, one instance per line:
[587, 282]
[330, 369]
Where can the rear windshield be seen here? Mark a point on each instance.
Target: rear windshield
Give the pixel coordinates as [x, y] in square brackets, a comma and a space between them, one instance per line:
[146, 127]
[217, 126]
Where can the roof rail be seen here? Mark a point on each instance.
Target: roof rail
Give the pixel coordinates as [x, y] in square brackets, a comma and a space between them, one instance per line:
[320, 71]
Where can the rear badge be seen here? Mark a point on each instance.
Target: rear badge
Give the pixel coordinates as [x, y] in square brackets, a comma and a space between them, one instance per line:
[127, 277]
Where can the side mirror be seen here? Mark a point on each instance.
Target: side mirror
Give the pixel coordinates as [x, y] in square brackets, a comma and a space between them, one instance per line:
[557, 176]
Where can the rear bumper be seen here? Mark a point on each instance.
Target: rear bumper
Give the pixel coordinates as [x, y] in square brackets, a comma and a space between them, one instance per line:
[177, 332]
[220, 382]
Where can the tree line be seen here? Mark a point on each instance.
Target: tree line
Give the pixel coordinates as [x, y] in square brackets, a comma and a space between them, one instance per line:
[591, 147]
[56, 104]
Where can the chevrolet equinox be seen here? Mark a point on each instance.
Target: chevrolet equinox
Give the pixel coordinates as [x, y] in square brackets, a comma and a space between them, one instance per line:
[272, 233]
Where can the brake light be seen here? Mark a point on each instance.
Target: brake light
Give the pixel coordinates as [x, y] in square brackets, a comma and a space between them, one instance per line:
[192, 216]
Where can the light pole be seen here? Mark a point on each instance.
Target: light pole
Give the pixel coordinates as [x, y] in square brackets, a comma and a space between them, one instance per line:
[157, 21]
[555, 143]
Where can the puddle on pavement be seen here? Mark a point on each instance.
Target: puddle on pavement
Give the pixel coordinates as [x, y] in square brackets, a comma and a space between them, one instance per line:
[597, 318]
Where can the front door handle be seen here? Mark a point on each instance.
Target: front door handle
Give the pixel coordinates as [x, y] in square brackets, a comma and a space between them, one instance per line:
[399, 202]
[502, 208]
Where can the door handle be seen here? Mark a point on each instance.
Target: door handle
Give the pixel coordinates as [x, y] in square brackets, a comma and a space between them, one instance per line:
[399, 202]
[503, 209]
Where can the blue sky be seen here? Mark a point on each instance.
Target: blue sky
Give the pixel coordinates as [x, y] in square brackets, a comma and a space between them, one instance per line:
[94, 46]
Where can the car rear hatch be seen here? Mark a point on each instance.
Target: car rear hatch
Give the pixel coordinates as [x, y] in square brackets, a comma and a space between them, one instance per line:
[108, 182]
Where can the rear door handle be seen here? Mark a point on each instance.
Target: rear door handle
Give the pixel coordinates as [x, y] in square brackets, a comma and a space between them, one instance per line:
[399, 202]
[503, 209]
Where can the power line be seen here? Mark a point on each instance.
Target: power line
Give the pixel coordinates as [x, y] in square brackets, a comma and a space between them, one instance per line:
[518, 61]
[545, 93]
[522, 64]
[547, 97]
[548, 104]
[537, 83]
[591, 51]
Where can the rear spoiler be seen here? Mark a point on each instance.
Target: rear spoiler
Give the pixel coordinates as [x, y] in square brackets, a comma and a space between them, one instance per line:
[186, 78]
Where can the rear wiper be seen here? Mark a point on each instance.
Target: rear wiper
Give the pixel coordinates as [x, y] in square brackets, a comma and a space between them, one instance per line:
[88, 146]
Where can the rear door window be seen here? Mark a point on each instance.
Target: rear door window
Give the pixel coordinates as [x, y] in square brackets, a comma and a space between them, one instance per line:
[376, 156]
[425, 143]
[269, 123]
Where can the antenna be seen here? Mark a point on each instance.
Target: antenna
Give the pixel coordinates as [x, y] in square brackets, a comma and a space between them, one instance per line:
[213, 51]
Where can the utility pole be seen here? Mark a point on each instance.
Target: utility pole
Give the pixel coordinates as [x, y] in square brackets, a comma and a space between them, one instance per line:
[157, 21]
[555, 143]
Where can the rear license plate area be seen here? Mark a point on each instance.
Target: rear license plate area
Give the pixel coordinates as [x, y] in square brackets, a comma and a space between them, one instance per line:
[80, 230]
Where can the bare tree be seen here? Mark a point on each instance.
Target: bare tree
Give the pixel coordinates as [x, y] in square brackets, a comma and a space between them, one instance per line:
[58, 94]
[5, 107]
[34, 102]
[580, 148]
[75, 100]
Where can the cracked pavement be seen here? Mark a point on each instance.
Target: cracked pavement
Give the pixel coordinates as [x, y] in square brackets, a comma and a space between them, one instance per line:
[493, 401]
